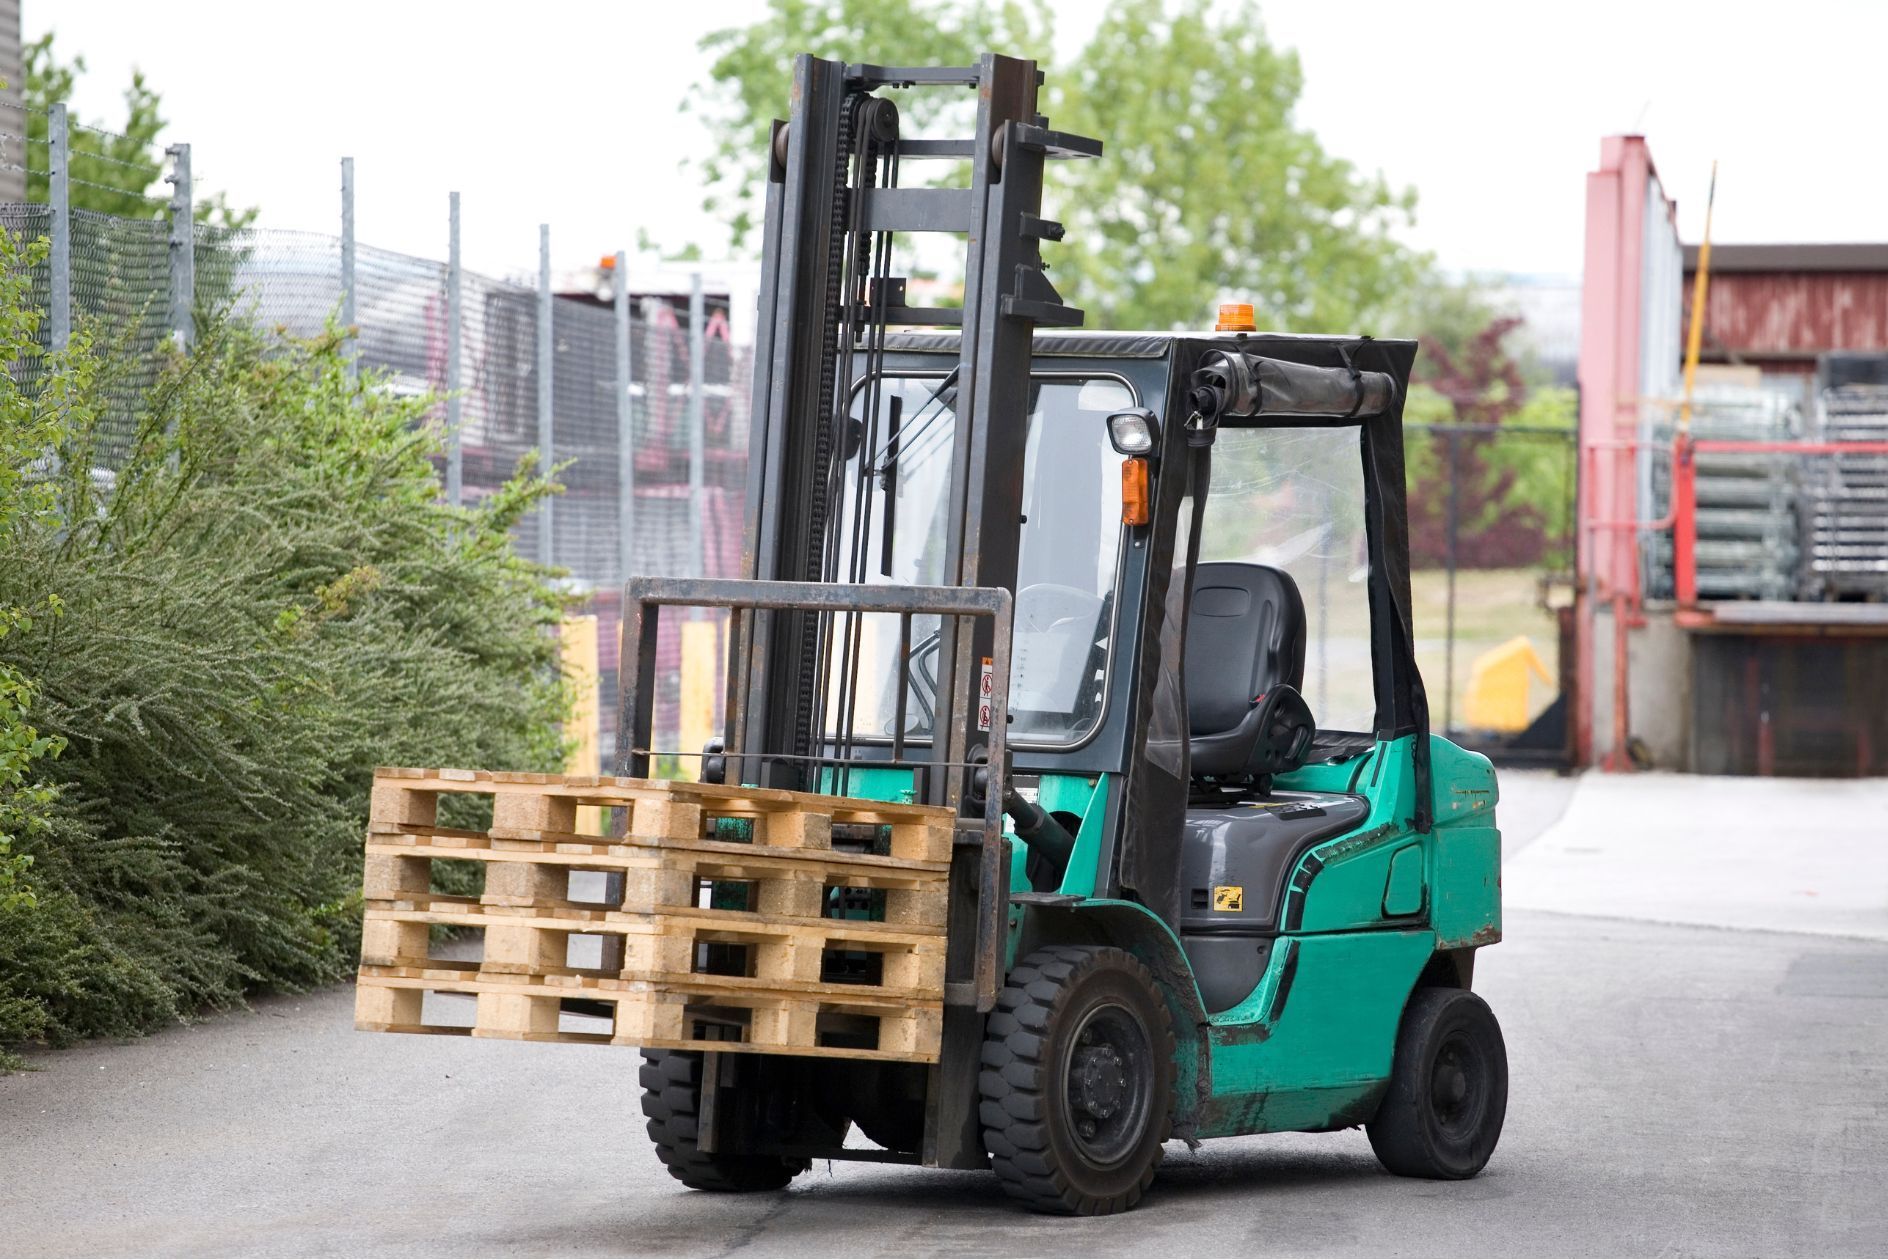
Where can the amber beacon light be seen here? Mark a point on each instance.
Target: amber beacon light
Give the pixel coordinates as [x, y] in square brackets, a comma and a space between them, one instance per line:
[1235, 317]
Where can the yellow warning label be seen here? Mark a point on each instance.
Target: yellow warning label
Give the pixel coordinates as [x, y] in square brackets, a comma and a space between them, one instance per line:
[1229, 897]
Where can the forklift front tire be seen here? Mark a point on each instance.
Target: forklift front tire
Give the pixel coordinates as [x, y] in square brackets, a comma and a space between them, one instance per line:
[1077, 1081]
[671, 1102]
[1448, 1090]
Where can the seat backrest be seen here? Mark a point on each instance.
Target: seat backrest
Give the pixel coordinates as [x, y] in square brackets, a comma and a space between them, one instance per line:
[1245, 633]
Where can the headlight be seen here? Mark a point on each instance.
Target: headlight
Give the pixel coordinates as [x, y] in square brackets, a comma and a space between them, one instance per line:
[1133, 432]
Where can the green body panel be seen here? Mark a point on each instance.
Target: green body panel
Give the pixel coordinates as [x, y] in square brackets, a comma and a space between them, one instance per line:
[1363, 914]
[1405, 892]
[1088, 800]
[1465, 852]
[1298, 1061]
[871, 783]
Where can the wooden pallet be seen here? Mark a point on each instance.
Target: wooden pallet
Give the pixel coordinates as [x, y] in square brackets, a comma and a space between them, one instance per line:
[654, 926]
[697, 1014]
[783, 952]
[543, 806]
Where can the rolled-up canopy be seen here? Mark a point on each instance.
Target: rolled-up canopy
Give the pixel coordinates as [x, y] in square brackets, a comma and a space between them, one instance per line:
[1233, 385]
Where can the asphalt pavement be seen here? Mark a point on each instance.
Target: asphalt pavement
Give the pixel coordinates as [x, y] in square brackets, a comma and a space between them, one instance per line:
[1676, 1089]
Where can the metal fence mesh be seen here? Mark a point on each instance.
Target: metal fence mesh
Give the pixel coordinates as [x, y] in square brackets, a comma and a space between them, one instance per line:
[290, 283]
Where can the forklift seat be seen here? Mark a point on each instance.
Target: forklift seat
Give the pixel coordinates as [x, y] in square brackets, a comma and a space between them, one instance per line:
[1245, 638]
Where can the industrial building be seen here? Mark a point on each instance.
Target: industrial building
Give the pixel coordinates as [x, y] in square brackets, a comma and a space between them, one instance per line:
[1731, 611]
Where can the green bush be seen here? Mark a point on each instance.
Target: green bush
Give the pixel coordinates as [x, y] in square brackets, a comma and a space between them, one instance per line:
[218, 645]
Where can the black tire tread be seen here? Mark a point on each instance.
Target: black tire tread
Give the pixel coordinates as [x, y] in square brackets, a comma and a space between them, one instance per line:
[1014, 1111]
[1398, 1132]
[671, 1102]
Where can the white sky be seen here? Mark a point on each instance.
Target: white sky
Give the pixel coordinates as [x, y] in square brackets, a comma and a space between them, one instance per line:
[565, 111]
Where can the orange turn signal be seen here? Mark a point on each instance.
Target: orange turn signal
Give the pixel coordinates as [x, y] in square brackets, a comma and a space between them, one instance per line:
[1134, 510]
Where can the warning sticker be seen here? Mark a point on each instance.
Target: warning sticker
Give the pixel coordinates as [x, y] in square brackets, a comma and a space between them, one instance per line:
[984, 689]
[1230, 897]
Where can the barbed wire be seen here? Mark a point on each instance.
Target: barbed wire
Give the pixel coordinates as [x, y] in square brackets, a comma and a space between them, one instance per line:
[89, 156]
[121, 192]
[74, 125]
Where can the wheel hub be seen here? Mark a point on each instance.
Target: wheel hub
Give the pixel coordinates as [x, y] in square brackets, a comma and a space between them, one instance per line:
[1455, 1085]
[1099, 1080]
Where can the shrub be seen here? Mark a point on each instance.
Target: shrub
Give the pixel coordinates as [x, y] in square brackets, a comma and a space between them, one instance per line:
[268, 600]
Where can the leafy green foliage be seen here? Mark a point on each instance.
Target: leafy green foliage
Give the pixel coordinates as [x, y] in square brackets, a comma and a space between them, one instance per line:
[26, 504]
[266, 601]
[1209, 187]
[120, 168]
[1514, 490]
[753, 68]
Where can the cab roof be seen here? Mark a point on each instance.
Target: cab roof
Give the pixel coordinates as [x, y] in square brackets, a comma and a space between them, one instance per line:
[1096, 343]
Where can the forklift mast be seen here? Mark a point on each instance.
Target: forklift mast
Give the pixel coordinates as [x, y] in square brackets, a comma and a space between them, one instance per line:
[827, 296]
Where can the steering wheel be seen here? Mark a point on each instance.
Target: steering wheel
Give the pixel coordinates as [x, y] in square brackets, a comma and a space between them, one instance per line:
[1088, 701]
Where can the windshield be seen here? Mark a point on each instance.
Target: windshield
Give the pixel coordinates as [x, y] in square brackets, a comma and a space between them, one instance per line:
[1294, 499]
[1066, 566]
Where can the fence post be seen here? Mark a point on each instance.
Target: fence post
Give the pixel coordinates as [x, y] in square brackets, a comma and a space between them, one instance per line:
[183, 250]
[351, 347]
[455, 412]
[697, 419]
[1448, 668]
[547, 368]
[625, 427]
[59, 316]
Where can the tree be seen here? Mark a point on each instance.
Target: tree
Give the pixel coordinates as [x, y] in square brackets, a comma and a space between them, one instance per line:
[114, 170]
[1514, 495]
[749, 77]
[1209, 186]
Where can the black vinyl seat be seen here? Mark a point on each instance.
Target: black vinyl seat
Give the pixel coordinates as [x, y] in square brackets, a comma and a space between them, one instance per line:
[1245, 640]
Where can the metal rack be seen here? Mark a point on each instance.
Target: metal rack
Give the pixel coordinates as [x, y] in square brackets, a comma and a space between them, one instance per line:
[1845, 499]
[1748, 504]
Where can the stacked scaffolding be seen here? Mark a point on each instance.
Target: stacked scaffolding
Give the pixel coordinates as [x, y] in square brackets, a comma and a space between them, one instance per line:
[1845, 499]
[1748, 504]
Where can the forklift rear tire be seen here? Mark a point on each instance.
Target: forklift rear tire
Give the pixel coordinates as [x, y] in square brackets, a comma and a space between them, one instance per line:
[1448, 1089]
[1077, 1081]
[671, 1101]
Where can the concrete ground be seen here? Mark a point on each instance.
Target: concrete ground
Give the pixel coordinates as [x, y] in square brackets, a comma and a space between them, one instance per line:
[1677, 1089]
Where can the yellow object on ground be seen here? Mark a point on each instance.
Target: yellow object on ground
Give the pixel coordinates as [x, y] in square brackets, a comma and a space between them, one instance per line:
[701, 662]
[1498, 683]
[577, 656]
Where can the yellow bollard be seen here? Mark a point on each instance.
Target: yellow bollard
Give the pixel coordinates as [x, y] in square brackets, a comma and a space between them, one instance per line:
[577, 657]
[1498, 681]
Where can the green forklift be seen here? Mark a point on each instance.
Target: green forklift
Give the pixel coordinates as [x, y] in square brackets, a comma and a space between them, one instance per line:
[1136, 606]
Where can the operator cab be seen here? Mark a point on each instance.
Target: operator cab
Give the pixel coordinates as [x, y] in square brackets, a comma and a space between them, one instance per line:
[1289, 673]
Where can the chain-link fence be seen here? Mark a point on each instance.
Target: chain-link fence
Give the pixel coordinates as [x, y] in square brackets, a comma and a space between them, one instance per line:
[645, 412]
[1491, 518]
